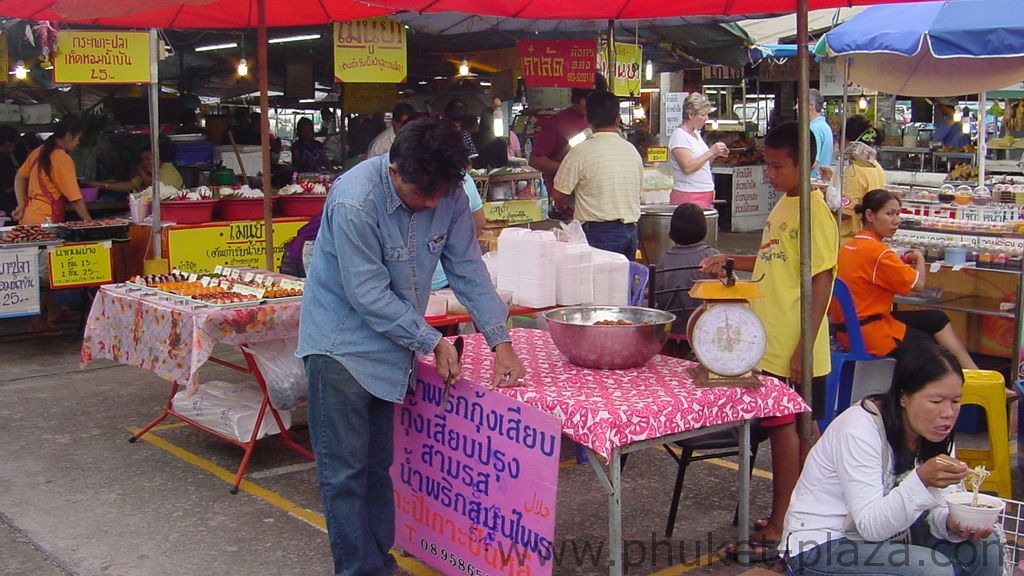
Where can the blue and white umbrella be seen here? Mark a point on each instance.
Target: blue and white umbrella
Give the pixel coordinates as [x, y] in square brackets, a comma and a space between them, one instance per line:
[932, 48]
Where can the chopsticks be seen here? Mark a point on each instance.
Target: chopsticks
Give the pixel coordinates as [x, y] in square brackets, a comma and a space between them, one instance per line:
[947, 461]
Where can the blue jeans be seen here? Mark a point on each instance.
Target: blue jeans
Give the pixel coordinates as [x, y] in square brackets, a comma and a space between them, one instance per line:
[935, 558]
[352, 436]
[612, 236]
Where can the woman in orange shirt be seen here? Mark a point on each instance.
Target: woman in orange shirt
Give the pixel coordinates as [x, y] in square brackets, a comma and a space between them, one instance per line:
[875, 273]
[47, 180]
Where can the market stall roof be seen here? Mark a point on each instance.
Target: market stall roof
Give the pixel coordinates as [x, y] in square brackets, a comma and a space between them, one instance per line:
[188, 14]
[614, 9]
[932, 48]
[782, 29]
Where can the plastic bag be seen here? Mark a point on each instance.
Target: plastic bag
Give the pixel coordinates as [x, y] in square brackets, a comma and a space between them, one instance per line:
[283, 372]
[834, 195]
[571, 232]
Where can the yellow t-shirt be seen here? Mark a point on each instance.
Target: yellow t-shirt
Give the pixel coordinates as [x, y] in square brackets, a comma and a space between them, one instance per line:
[44, 189]
[166, 174]
[859, 178]
[778, 260]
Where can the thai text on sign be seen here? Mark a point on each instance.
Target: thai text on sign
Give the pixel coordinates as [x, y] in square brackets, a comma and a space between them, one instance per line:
[102, 58]
[627, 69]
[370, 50]
[201, 248]
[475, 480]
[19, 282]
[84, 264]
[515, 211]
[558, 63]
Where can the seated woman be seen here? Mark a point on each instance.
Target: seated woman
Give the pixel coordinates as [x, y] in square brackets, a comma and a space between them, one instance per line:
[875, 274]
[308, 154]
[871, 497]
[687, 230]
[167, 173]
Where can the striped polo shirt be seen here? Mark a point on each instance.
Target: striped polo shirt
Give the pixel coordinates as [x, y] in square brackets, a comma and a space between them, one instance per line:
[606, 174]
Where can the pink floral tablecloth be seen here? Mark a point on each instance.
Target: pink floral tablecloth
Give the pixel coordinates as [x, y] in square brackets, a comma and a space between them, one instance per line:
[606, 409]
[173, 340]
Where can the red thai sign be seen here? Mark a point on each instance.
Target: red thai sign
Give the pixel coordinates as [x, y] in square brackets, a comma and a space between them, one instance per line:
[558, 63]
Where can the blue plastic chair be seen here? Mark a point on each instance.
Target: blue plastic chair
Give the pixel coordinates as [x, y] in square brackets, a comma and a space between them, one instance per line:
[839, 383]
[638, 275]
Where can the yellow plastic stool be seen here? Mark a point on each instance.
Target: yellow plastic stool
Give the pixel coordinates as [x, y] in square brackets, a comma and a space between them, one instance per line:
[987, 389]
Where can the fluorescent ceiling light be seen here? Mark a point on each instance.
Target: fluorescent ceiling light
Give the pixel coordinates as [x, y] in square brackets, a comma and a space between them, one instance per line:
[485, 82]
[307, 100]
[209, 47]
[298, 38]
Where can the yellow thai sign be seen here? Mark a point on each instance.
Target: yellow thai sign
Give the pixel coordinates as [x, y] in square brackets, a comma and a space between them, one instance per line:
[657, 154]
[201, 248]
[370, 50]
[3, 56]
[80, 264]
[515, 211]
[102, 58]
[627, 69]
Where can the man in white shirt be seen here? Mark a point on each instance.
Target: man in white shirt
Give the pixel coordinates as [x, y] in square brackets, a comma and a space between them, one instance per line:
[381, 143]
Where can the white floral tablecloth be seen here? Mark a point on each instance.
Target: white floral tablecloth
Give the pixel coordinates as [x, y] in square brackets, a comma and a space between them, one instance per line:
[606, 409]
[142, 328]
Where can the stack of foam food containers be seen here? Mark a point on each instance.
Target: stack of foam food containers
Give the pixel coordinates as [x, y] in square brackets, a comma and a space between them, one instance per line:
[611, 278]
[574, 273]
[537, 286]
[509, 251]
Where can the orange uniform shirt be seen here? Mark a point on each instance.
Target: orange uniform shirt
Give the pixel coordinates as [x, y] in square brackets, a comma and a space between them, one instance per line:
[43, 190]
[874, 273]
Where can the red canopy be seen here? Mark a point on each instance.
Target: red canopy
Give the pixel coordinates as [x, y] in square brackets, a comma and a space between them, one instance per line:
[615, 9]
[184, 14]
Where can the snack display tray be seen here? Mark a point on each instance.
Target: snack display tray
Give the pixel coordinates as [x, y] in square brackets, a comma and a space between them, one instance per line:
[56, 242]
[90, 233]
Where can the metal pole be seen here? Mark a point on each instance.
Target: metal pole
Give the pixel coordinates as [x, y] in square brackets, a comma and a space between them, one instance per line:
[268, 206]
[154, 140]
[982, 126]
[611, 56]
[807, 332]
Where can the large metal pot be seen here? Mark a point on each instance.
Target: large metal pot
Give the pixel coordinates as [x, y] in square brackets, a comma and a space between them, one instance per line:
[608, 347]
[655, 220]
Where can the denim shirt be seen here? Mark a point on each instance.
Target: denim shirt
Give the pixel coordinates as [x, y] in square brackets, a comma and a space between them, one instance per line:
[368, 285]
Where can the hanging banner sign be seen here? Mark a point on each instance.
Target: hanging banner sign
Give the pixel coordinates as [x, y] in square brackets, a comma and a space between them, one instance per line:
[628, 59]
[475, 480]
[370, 50]
[19, 282]
[80, 264]
[200, 248]
[718, 72]
[515, 211]
[102, 58]
[3, 56]
[558, 63]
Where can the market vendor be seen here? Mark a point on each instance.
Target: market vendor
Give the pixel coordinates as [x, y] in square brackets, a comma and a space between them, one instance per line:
[167, 173]
[362, 327]
[47, 180]
[552, 144]
[947, 131]
[308, 153]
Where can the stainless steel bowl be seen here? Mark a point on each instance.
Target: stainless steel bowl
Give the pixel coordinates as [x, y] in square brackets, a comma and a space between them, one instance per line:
[608, 347]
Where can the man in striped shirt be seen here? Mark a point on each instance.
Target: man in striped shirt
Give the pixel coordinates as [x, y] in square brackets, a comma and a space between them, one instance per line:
[606, 174]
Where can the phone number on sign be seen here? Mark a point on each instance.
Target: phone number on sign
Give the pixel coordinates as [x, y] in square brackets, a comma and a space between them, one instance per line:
[454, 560]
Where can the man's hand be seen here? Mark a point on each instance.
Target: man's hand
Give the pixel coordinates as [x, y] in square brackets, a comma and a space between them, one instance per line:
[446, 361]
[714, 265]
[508, 369]
[796, 367]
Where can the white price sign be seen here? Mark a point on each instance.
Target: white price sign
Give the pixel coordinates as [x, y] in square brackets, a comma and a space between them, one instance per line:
[19, 282]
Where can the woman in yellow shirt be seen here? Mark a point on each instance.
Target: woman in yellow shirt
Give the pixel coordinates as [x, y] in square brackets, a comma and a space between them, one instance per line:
[47, 180]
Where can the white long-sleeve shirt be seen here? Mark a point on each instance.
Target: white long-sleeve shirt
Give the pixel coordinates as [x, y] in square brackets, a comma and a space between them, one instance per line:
[843, 478]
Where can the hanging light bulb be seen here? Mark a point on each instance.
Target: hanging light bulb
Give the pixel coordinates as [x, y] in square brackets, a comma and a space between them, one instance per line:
[957, 115]
[243, 67]
[863, 103]
[464, 68]
[20, 72]
[649, 70]
[499, 119]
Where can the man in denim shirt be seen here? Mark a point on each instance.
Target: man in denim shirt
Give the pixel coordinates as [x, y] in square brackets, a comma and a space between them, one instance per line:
[385, 225]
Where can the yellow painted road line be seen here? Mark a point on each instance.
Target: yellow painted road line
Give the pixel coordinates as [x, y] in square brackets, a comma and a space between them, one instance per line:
[163, 427]
[702, 562]
[314, 519]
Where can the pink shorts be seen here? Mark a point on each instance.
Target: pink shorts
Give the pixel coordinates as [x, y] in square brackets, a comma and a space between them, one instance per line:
[702, 199]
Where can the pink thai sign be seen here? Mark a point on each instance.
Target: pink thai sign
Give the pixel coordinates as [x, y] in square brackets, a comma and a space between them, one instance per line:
[475, 482]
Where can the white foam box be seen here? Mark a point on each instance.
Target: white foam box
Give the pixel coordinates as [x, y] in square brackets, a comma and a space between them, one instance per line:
[36, 113]
[10, 113]
[229, 409]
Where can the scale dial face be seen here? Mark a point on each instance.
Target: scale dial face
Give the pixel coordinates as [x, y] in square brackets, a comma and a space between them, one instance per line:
[728, 339]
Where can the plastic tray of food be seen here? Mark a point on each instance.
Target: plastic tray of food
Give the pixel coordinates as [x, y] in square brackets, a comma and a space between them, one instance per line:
[28, 236]
[93, 230]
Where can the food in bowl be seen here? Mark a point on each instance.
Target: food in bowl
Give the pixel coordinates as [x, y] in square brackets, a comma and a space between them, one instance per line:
[577, 334]
[965, 513]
